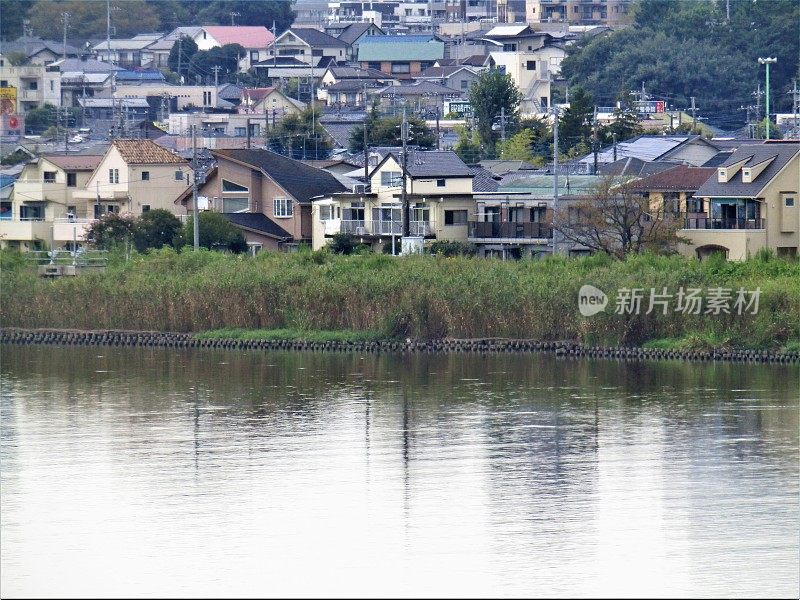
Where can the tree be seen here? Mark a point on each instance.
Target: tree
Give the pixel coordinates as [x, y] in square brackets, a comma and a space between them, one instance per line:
[226, 57]
[492, 92]
[301, 136]
[263, 12]
[182, 53]
[110, 231]
[468, 146]
[518, 147]
[575, 124]
[17, 59]
[39, 119]
[626, 122]
[88, 19]
[156, 229]
[216, 233]
[618, 222]
[13, 13]
[345, 243]
[386, 132]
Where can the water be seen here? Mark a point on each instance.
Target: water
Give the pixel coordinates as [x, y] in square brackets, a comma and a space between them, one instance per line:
[130, 472]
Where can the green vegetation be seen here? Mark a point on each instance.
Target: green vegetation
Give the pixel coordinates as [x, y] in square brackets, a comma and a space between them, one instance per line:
[385, 131]
[683, 48]
[301, 136]
[424, 297]
[290, 335]
[492, 93]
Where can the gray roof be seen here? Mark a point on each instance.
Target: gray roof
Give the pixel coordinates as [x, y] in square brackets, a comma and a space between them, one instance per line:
[644, 147]
[318, 39]
[417, 89]
[30, 46]
[340, 72]
[780, 152]
[634, 167]
[353, 31]
[90, 65]
[483, 181]
[340, 132]
[436, 163]
[257, 222]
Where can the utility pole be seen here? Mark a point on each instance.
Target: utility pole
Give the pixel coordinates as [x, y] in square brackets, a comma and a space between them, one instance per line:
[195, 209]
[555, 176]
[614, 142]
[503, 123]
[795, 103]
[694, 116]
[180, 59]
[233, 15]
[768, 62]
[438, 132]
[216, 69]
[749, 110]
[65, 18]
[727, 10]
[248, 133]
[366, 139]
[404, 196]
[594, 138]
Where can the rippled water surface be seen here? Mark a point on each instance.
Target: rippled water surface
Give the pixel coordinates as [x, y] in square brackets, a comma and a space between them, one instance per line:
[207, 473]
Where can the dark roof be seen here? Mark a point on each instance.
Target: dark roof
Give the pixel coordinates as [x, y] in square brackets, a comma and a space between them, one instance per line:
[353, 31]
[780, 153]
[634, 166]
[476, 60]
[257, 222]
[300, 180]
[343, 72]
[436, 163]
[318, 39]
[417, 89]
[30, 46]
[718, 159]
[679, 178]
[443, 71]
[340, 132]
[350, 85]
[483, 181]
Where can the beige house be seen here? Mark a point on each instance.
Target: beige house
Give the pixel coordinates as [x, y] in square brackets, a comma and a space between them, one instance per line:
[750, 203]
[34, 85]
[43, 209]
[135, 176]
[439, 187]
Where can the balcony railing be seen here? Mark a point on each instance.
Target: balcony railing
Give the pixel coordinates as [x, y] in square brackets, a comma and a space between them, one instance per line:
[722, 223]
[509, 230]
[377, 228]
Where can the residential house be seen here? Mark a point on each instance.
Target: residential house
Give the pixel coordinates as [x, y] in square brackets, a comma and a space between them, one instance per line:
[127, 53]
[43, 209]
[135, 176]
[456, 77]
[673, 190]
[750, 203]
[178, 97]
[269, 101]
[692, 150]
[439, 188]
[401, 56]
[253, 38]
[82, 78]
[39, 52]
[278, 188]
[310, 46]
[422, 96]
[511, 11]
[344, 86]
[580, 12]
[353, 33]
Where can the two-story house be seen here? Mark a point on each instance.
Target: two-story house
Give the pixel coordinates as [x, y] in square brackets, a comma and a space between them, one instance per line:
[439, 189]
[401, 56]
[673, 190]
[457, 77]
[43, 208]
[267, 195]
[135, 176]
[750, 203]
[352, 34]
[311, 46]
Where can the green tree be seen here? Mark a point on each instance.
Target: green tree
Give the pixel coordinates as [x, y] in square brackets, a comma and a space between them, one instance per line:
[575, 124]
[40, 119]
[182, 52]
[386, 132]
[263, 12]
[88, 19]
[468, 146]
[492, 92]
[517, 147]
[626, 122]
[156, 229]
[301, 136]
[216, 233]
[17, 59]
[12, 13]
[111, 231]
[203, 62]
[345, 243]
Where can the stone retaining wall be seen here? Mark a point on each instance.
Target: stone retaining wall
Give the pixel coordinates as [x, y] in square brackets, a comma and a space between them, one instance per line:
[483, 345]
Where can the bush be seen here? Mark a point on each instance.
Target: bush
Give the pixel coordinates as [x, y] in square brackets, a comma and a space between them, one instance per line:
[448, 248]
[156, 229]
[216, 233]
[345, 243]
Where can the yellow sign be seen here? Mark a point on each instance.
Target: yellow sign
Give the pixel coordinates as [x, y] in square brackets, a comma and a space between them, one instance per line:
[8, 93]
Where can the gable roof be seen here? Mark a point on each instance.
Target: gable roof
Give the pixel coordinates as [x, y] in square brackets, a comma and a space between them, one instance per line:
[89, 65]
[355, 30]
[259, 223]
[483, 181]
[31, 46]
[678, 178]
[391, 48]
[417, 89]
[316, 38]
[646, 147]
[302, 181]
[145, 152]
[341, 72]
[782, 152]
[634, 167]
[247, 36]
[434, 163]
[72, 162]
[444, 71]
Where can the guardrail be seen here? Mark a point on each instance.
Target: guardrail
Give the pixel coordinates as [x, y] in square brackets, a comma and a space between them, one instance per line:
[80, 258]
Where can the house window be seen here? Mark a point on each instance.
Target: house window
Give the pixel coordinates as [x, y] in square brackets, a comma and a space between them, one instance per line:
[146, 208]
[390, 178]
[49, 176]
[788, 202]
[253, 56]
[112, 208]
[325, 212]
[145, 175]
[455, 217]
[3, 82]
[33, 85]
[694, 205]
[531, 65]
[282, 207]
[51, 85]
[401, 67]
[72, 212]
[229, 186]
[113, 176]
[31, 213]
[72, 179]
[178, 175]
[240, 131]
[464, 84]
[440, 183]
[235, 204]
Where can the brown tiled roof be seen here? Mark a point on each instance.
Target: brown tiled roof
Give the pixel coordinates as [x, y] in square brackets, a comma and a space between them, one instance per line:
[145, 152]
[680, 178]
[79, 162]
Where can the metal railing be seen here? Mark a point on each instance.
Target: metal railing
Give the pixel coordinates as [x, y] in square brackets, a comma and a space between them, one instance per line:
[722, 223]
[506, 229]
[79, 258]
[384, 228]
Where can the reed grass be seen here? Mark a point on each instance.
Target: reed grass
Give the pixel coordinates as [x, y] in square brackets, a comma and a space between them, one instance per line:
[423, 297]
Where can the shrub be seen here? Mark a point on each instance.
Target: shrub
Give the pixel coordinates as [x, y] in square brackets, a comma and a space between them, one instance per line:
[448, 248]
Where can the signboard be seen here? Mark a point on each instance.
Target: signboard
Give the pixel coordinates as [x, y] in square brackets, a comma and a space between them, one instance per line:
[460, 107]
[650, 107]
[11, 124]
[8, 100]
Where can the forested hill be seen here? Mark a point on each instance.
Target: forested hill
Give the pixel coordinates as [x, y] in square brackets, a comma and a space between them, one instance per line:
[684, 48]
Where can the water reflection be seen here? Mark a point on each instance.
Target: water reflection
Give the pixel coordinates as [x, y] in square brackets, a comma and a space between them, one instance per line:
[133, 471]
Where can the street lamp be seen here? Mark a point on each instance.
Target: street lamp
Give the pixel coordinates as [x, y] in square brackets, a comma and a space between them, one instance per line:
[768, 62]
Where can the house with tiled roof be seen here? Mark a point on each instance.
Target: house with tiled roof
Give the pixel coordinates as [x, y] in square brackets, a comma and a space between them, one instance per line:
[673, 190]
[421, 96]
[457, 77]
[135, 176]
[269, 101]
[253, 38]
[749, 203]
[353, 33]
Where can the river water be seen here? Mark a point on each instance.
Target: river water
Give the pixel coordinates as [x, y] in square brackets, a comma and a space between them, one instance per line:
[128, 472]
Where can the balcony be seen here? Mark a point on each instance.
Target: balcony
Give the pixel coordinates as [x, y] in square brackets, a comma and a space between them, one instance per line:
[722, 223]
[505, 230]
[68, 230]
[368, 228]
[24, 230]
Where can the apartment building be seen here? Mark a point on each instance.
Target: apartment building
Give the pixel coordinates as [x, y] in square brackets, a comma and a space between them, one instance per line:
[612, 13]
[33, 85]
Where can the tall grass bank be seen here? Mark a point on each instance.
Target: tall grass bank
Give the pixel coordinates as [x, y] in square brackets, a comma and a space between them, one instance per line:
[421, 297]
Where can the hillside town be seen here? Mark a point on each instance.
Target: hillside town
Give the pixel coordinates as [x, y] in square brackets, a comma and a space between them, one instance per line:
[397, 126]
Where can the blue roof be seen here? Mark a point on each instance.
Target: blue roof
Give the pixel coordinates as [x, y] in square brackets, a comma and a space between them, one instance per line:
[140, 76]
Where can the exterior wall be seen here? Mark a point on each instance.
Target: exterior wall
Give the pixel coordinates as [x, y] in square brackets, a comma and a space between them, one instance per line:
[48, 85]
[185, 95]
[533, 83]
[739, 243]
[695, 154]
